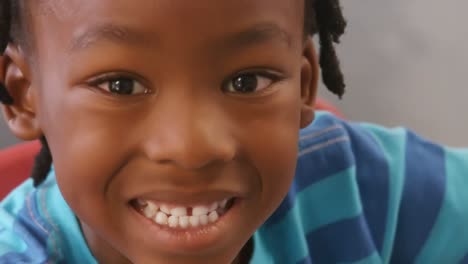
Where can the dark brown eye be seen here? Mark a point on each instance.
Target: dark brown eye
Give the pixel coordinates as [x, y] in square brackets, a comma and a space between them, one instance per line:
[123, 86]
[248, 83]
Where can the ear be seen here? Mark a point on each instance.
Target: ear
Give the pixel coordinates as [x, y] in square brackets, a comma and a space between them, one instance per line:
[309, 82]
[16, 77]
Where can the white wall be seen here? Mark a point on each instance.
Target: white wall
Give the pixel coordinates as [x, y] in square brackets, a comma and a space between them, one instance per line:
[405, 64]
[6, 138]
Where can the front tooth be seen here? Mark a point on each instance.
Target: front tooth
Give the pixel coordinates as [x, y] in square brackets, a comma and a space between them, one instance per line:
[203, 219]
[194, 220]
[213, 207]
[173, 221]
[165, 209]
[184, 221]
[161, 218]
[213, 216]
[150, 210]
[179, 211]
[200, 210]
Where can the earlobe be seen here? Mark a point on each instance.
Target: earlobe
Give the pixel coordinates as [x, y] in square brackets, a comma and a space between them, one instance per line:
[20, 114]
[309, 83]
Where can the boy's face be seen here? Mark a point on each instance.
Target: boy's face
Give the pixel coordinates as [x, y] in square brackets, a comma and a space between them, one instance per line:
[181, 103]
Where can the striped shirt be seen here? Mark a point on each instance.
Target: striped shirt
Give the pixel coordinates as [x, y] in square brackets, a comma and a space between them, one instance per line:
[361, 194]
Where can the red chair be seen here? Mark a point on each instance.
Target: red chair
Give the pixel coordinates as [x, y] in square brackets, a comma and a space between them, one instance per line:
[15, 165]
[16, 162]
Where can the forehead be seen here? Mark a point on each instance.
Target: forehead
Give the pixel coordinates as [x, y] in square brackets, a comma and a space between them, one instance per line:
[195, 19]
[64, 8]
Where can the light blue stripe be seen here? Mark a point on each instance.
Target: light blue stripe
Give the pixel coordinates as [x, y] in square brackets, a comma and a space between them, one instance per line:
[329, 201]
[372, 259]
[448, 240]
[325, 202]
[393, 145]
[10, 207]
[261, 254]
[289, 245]
[9, 240]
[65, 225]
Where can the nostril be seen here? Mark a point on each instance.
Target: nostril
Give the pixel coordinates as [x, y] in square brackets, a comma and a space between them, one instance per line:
[190, 150]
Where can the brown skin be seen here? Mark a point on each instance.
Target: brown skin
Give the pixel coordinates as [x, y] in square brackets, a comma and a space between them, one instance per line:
[187, 135]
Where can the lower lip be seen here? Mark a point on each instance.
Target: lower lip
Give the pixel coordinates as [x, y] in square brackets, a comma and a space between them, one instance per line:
[190, 240]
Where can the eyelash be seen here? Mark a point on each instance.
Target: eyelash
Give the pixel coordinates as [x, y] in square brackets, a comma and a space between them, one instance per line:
[273, 76]
[112, 77]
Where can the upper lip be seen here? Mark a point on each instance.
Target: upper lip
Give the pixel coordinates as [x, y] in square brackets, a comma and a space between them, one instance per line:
[187, 198]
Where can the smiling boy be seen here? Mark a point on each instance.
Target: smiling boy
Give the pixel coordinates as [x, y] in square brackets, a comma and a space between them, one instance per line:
[173, 127]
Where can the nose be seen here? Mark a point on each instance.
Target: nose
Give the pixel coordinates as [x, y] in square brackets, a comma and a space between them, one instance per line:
[190, 136]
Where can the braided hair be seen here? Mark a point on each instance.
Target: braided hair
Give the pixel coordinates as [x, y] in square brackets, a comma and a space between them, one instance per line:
[322, 17]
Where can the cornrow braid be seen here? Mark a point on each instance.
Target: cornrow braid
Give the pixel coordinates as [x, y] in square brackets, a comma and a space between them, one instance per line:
[5, 21]
[4, 39]
[42, 163]
[330, 25]
[321, 16]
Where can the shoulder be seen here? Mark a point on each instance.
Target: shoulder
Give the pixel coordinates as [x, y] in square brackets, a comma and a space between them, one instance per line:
[367, 193]
[23, 232]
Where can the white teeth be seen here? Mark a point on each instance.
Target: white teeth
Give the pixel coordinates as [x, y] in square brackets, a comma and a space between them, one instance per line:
[223, 203]
[161, 218]
[200, 210]
[173, 221]
[203, 219]
[179, 211]
[184, 221]
[150, 210]
[213, 216]
[177, 217]
[194, 221]
[213, 207]
[165, 209]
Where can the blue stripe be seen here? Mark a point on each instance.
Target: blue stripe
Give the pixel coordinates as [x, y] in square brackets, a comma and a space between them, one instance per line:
[345, 241]
[423, 194]
[393, 144]
[372, 259]
[34, 237]
[314, 167]
[307, 260]
[328, 159]
[464, 260]
[448, 241]
[310, 213]
[372, 170]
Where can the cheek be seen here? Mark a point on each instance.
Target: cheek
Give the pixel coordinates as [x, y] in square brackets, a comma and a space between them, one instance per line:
[275, 158]
[271, 142]
[88, 149]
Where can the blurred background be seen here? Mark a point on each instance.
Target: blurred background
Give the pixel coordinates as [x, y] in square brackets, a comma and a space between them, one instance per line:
[405, 64]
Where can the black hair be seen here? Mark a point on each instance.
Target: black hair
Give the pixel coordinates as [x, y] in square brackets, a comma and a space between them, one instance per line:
[322, 17]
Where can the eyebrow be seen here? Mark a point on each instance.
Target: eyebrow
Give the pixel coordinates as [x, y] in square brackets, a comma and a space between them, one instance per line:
[111, 32]
[257, 34]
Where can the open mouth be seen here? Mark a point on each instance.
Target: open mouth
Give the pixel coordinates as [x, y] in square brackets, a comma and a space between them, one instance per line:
[182, 217]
